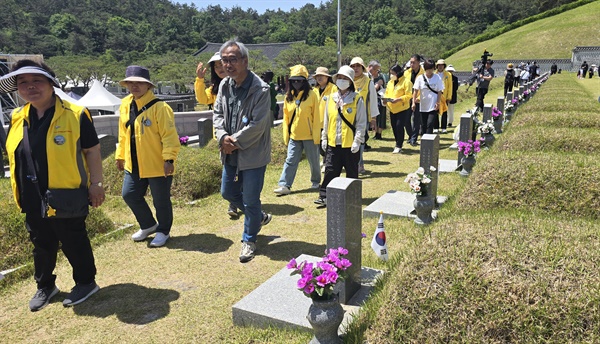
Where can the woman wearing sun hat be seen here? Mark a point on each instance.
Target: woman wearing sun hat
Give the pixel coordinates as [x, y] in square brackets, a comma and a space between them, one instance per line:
[148, 148]
[301, 129]
[344, 125]
[207, 95]
[509, 78]
[324, 88]
[56, 170]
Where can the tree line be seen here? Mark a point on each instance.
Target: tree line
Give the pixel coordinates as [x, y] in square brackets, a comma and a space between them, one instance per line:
[107, 35]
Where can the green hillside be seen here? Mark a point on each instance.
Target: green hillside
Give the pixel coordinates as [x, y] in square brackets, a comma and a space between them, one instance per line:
[553, 37]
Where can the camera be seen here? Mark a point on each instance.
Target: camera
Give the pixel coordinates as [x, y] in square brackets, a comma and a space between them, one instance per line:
[484, 60]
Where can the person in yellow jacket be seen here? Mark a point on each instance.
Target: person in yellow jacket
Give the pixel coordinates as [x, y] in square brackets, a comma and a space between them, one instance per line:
[344, 126]
[301, 130]
[440, 66]
[398, 94]
[56, 171]
[148, 148]
[207, 95]
[324, 88]
[413, 70]
[366, 89]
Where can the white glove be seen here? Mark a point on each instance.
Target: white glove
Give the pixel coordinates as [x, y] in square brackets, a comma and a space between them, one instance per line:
[324, 145]
[355, 147]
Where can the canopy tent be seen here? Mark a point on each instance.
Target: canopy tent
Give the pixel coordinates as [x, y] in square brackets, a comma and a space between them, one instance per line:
[99, 98]
[64, 96]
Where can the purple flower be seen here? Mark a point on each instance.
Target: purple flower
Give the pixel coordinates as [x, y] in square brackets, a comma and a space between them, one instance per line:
[342, 251]
[292, 264]
[303, 281]
[322, 279]
[309, 289]
[364, 235]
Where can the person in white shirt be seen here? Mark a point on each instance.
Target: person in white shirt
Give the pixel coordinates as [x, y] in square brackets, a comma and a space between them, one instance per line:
[429, 88]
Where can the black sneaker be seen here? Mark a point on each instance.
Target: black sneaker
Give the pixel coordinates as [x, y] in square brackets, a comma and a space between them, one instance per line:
[80, 293]
[42, 298]
[367, 147]
[321, 202]
[232, 211]
[266, 218]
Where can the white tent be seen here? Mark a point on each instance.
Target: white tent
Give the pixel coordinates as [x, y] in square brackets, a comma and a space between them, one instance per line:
[64, 96]
[99, 98]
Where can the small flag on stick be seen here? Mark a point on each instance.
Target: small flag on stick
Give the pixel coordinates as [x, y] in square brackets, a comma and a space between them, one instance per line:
[379, 244]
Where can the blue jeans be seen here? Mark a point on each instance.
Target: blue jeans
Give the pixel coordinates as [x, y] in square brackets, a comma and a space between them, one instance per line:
[133, 192]
[244, 193]
[294, 155]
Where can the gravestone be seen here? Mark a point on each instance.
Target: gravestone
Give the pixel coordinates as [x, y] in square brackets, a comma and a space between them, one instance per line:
[205, 131]
[430, 154]
[344, 225]
[521, 89]
[466, 131]
[498, 123]
[487, 113]
[108, 144]
[509, 97]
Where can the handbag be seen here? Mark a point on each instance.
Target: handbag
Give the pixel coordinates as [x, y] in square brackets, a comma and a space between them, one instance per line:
[56, 203]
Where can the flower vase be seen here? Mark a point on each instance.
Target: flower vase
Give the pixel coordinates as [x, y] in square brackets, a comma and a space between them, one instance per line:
[489, 139]
[325, 317]
[467, 163]
[508, 116]
[498, 125]
[423, 207]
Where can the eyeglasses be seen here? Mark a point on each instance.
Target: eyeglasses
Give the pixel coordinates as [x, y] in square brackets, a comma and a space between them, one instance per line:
[229, 60]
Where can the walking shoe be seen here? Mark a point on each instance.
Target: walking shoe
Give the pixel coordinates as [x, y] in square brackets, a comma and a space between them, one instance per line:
[321, 202]
[80, 293]
[232, 210]
[315, 186]
[444, 131]
[367, 147]
[282, 190]
[266, 218]
[42, 298]
[247, 252]
[435, 131]
[361, 170]
[159, 240]
[143, 233]
[414, 144]
[449, 125]
[397, 150]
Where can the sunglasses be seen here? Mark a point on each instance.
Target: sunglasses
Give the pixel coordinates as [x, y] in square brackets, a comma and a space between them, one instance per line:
[296, 81]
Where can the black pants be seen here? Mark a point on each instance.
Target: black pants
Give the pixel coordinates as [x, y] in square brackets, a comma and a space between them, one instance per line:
[481, 92]
[431, 121]
[45, 234]
[444, 120]
[400, 122]
[336, 158]
[507, 88]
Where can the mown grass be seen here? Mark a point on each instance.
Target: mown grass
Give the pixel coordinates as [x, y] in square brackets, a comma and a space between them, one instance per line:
[553, 37]
[514, 257]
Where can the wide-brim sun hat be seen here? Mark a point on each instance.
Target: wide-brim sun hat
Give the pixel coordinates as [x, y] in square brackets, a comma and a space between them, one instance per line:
[136, 73]
[298, 72]
[8, 82]
[215, 57]
[510, 66]
[358, 60]
[450, 68]
[440, 62]
[346, 71]
[322, 71]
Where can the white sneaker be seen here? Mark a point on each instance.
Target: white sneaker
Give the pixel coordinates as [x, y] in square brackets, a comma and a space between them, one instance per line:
[444, 131]
[247, 252]
[435, 131]
[315, 186]
[143, 233]
[159, 240]
[282, 190]
[397, 150]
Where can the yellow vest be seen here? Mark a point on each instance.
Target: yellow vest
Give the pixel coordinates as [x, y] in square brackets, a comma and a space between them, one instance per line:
[329, 90]
[363, 91]
[67, 167]
[349, 112]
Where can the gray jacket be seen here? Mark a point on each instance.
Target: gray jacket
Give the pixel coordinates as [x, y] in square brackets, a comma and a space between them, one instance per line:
[254, 137]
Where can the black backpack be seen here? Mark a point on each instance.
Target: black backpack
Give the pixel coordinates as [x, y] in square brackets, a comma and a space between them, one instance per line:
[510, 77]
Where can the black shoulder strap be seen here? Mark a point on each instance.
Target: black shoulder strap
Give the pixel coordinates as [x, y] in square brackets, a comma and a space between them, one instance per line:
[291, 121]
[134, 112]
[31, 175]
[346, 121]
[147, 106]
[429, 86]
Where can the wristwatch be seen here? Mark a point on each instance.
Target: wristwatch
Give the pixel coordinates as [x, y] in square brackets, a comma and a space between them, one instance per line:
[98, 183]
[169, 161]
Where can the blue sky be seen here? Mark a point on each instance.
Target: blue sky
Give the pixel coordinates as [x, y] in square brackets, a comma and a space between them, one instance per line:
[259, 5]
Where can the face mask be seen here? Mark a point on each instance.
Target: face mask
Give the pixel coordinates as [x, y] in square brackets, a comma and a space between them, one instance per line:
[297, 85]
[393, 77]
[342, 84]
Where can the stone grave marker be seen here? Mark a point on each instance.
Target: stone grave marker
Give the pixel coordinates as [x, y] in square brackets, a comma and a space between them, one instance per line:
[498, 123]
[466, 131]
[509, 97]
[487, 112]
[108, 144]
[205, 131]
[344, 225]
[430, 156]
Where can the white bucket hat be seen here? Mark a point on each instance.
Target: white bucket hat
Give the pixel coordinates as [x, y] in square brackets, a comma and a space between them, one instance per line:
[346, 71]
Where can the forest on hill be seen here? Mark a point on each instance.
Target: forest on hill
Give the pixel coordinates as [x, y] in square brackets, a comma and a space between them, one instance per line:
[114, 33]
